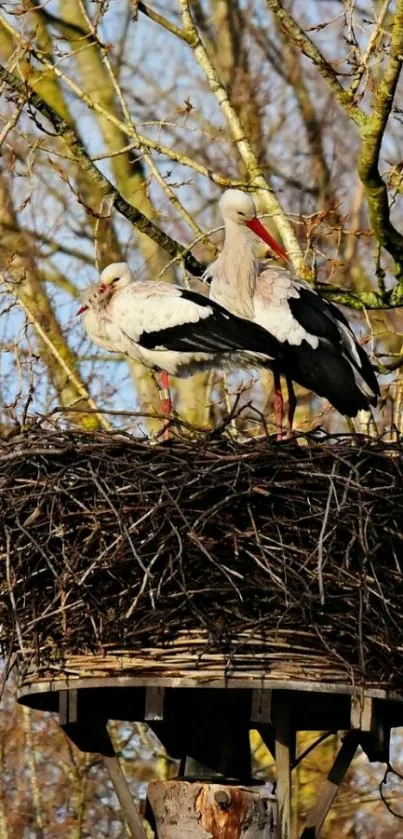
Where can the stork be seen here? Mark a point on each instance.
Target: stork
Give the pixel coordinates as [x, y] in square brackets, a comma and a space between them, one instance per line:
[170, 328]
[320, 350]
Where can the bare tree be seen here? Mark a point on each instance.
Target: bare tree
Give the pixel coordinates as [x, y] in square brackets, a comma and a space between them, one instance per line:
[120, 127]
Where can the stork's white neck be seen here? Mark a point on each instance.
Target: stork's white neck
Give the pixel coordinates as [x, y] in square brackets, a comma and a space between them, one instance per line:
[235, 271]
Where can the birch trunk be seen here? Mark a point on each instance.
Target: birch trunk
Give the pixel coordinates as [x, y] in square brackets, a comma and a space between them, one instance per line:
[209, 811]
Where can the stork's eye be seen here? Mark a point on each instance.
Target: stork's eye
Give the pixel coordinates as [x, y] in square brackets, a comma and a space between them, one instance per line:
[240, 213]
[115, 280]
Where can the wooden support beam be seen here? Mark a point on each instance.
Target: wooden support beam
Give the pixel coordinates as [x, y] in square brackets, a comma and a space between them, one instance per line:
[68, 707]
[198, 771]
[90, 734]
[261, 707]
[328, 793]
[372, 718]
[129, 810]
[154, 704]
[261, 716]
[87, 731]
[284, 750]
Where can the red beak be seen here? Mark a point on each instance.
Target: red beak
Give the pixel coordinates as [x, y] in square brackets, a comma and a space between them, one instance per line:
[255, 225]
[81, 310]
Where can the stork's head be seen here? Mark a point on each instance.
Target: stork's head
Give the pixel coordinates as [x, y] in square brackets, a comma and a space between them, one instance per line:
[113, 278]
[239, 207]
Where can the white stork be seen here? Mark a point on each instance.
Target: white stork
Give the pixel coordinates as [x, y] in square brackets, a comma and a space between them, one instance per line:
[320, 350]
[170, 328]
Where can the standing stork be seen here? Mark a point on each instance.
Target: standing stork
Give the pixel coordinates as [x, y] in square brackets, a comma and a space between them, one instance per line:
[320, 350]
[170, 328]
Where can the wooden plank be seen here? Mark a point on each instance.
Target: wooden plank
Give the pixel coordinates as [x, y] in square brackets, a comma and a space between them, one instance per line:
[246, 683]
[91, 734]
[154, 704]
[261, 707]
[328, 793]
[376, 741]
[86, 730]
[122, 789]
[361, 715]
[67, 707]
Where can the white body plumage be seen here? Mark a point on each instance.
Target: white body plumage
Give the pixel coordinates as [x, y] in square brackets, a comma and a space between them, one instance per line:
[168, 328]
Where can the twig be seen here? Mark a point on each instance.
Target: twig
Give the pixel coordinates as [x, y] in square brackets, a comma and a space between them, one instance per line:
[174, 200]
[244, 148]
[372, 42]
[80, 155]
[12, 122]
[69, 372]
[372, 133]
[301, 40]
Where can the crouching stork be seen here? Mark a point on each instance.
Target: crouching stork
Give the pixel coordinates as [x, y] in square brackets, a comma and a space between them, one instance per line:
[170, 329]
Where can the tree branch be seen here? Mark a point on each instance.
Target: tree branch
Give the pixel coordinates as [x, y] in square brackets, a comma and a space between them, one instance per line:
[354, 300]
[371, 128]
[139, 140]
[113, 90]
[357, 300]
[82, 158]
[360, 300]
[163, 21]
[243, 146]
[301, 40]
[377, 33]
[372, 134]
[22, 280]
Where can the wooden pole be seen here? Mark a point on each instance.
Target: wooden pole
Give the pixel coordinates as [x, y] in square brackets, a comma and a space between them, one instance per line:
[122, 789]
[283, 747]
[210, 811]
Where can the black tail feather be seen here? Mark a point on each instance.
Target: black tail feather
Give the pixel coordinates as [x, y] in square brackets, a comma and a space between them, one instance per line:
[368, 372]
[330, 375]
[323, 319]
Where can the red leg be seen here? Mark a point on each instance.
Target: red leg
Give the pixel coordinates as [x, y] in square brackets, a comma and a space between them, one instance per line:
[278, 405]
[292, 404]
[165, 397]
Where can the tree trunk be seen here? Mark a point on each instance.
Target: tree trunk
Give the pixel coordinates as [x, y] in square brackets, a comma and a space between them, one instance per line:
[210, 811]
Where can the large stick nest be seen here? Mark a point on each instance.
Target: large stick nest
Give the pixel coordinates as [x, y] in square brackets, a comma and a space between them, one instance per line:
[204, 557]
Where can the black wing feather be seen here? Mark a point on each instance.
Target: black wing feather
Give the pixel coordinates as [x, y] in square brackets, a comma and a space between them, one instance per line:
[219, 332]
[317, 315]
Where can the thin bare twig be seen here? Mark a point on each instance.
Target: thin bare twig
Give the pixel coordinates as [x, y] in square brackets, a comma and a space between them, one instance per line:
[255, 175]
[81, 156]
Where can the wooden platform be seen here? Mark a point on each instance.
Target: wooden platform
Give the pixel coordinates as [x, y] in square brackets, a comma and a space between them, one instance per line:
[190, 716]
[208, 721]
[119, 692]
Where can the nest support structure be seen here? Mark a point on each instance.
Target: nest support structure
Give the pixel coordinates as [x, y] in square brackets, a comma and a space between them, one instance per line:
[268, 576]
